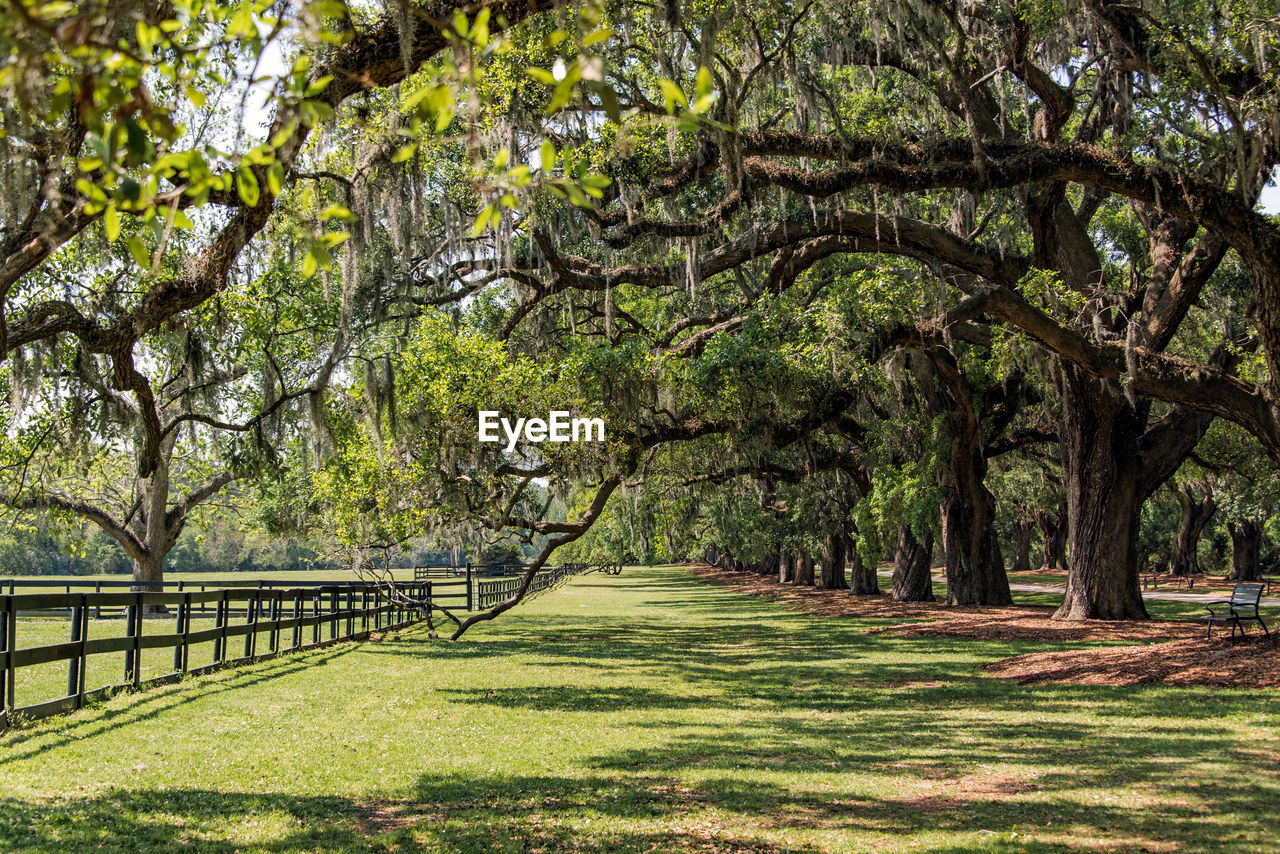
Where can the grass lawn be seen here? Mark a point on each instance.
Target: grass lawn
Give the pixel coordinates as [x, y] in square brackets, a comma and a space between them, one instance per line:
[648, 712]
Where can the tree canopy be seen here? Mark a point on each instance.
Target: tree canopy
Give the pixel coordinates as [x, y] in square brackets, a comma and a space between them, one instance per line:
[845, 281]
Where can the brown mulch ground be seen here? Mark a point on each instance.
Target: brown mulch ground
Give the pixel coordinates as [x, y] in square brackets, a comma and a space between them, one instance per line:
[936, 620]
[1252, 662]
[1184, 657]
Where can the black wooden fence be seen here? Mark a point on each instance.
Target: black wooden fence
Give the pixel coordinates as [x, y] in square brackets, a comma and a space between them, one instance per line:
[262, 621]
[490, 592]
[250, 624]
[491, 583]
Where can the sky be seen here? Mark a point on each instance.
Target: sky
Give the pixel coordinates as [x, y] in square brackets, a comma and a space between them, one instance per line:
[1269, 201]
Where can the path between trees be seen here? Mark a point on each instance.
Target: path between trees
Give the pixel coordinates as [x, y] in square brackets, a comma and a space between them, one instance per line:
[1167, 595]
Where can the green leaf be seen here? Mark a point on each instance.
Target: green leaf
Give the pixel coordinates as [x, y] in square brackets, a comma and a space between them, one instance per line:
[111, 222]
[247, 186]
[319, 86]
[284, 134]
[241, 24]
[275, 178]
[309, 264]
[480, 31]
[405, 152]
[706, 91]
[482, 221]
[609, 99]
[672, 94]
[139, 252]
[547, 156]
[337, 212]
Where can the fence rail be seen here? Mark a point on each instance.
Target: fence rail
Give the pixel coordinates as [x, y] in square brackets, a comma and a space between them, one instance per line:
[276, 617]
[490, 592]
[469, 570]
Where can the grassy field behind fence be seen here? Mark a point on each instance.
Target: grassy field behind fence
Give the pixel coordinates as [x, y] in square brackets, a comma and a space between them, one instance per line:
[648, 712]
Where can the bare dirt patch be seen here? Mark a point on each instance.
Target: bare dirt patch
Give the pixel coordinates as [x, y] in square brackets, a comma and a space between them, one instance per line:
[1251, 662]
[932, 619]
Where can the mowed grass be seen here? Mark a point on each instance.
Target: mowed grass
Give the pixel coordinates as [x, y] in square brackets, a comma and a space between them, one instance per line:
[648, 712]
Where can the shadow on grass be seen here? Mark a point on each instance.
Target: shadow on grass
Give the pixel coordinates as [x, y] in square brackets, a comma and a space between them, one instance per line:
[153, 702]
[450, 814]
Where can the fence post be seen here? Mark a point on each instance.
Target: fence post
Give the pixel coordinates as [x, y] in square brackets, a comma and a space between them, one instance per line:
[177, 629]
[133, 667]
[364, 609]
[220, 623]
[186, 633]
[470, 594]
[333, 613]
[273, 637]
[351, 612]
[297, 616]
[97, 611]
[8, 643]
[251, 620]
[315, 613]
[76, 666]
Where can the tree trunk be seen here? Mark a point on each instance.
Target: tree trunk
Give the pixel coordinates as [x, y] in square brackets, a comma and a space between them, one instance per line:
[1195, 513]
[768, 565]
[974, 564]
[786, 567]
[148, 569]
[833, 559]
[154, 528]
[1053, 533]
[912, 580]
[804, 570]
[863, 578]
[1101, 468]
[1022, 562]
[1246, 547]
[970, 548]
[1112, 463]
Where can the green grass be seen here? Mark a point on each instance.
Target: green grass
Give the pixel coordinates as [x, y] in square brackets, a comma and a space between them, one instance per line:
[648, 712]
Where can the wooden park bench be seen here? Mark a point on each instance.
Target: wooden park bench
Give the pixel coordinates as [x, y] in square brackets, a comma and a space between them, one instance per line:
[1242, 607]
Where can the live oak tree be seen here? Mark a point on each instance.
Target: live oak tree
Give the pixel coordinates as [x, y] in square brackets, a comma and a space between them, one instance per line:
[705, 219]
[1083, 176]
[136, 179]
[1042, 160]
